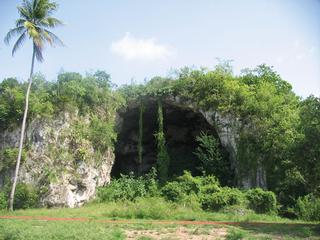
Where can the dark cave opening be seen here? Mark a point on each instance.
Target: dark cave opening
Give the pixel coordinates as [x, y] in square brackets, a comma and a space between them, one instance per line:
[181, 127]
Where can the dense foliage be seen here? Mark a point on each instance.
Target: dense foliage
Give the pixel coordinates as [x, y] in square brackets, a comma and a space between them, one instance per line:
[262, 201]
[3, 200]
[163, 158]
[277, 131]
[211, 158]
[90, 95]
[200, 192]
[129, 188]
[308, 208]
[8, 158]
[27, 196]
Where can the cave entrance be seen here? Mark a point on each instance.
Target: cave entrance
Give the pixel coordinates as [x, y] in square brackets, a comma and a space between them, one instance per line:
[181, 126]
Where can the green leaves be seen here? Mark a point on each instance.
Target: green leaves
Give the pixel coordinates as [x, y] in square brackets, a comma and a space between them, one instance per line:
[101, 133]
[209, 154]
[35, 19]
[11, 102]
[163, 158]
[262, 201]
[8, 158]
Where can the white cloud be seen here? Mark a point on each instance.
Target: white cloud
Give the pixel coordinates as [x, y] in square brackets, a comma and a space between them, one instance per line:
[131, 48]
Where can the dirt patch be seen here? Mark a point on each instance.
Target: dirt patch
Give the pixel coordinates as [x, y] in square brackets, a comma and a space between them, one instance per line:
[180, 233]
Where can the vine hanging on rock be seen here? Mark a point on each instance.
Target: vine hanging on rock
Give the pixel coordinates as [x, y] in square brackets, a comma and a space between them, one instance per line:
[163, 158]
[140, 139]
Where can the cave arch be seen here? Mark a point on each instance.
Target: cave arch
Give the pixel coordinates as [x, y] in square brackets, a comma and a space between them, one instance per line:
[181, 126]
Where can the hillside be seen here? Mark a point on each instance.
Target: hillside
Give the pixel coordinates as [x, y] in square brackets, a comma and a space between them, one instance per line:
[248, 131]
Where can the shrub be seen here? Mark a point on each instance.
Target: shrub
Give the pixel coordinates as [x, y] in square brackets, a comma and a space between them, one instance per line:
[186, 187]
[101, 133]
[308, 208]
[124, 188]
[208, 152]
[3, 200]
[8, 158]
[173, 191]
[128, 187]
[209, 185]
[223, 198]
[261, 201]
[291, 187]
[183, 186]
[25, 196]
[189, 183]
[211, 158]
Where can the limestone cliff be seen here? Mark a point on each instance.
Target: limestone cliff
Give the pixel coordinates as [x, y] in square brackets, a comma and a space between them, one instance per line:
[228, 128]
[64, 167]
[67, 167]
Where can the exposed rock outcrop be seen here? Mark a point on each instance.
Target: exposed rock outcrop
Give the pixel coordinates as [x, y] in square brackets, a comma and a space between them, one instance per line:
[183, 122]
[228, 129]
[66, 168]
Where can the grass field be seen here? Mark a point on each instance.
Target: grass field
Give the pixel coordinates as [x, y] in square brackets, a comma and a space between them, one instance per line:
[47, 230]
[141, 228]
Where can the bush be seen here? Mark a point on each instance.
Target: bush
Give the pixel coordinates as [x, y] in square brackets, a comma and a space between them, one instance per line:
[261, 201]
[8, 158]
[173, 191]
[223, 198]
[212, 161]
[209, 185]
[308, 208]
[128, 187]
[101, 133]
[186, 185]
[189, 183]
[25, 196]
[3, 200]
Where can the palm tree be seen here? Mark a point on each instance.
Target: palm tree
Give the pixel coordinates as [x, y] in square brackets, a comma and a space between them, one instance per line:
[34, 22]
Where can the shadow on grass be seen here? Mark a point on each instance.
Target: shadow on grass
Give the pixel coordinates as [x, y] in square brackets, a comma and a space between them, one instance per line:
[283, 229]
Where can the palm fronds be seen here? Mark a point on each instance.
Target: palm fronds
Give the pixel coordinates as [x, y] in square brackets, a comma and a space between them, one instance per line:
[34, 22]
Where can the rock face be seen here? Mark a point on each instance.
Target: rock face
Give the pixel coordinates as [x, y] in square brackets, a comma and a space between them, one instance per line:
[66, 168]
[181, 127]
[228, 130]
[183, 122]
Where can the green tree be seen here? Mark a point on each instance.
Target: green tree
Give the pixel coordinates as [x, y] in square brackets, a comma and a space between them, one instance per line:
[209, 154]
[34, 22]
[307, 152]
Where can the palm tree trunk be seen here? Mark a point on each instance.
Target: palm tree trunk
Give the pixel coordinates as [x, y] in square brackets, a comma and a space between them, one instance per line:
[16, 173]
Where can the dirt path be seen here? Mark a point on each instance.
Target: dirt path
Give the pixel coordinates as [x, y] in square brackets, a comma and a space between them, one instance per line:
[44, 218]
[142, 221]
[179, 233]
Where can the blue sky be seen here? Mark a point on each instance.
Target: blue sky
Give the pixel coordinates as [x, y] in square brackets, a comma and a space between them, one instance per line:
[142, 38]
